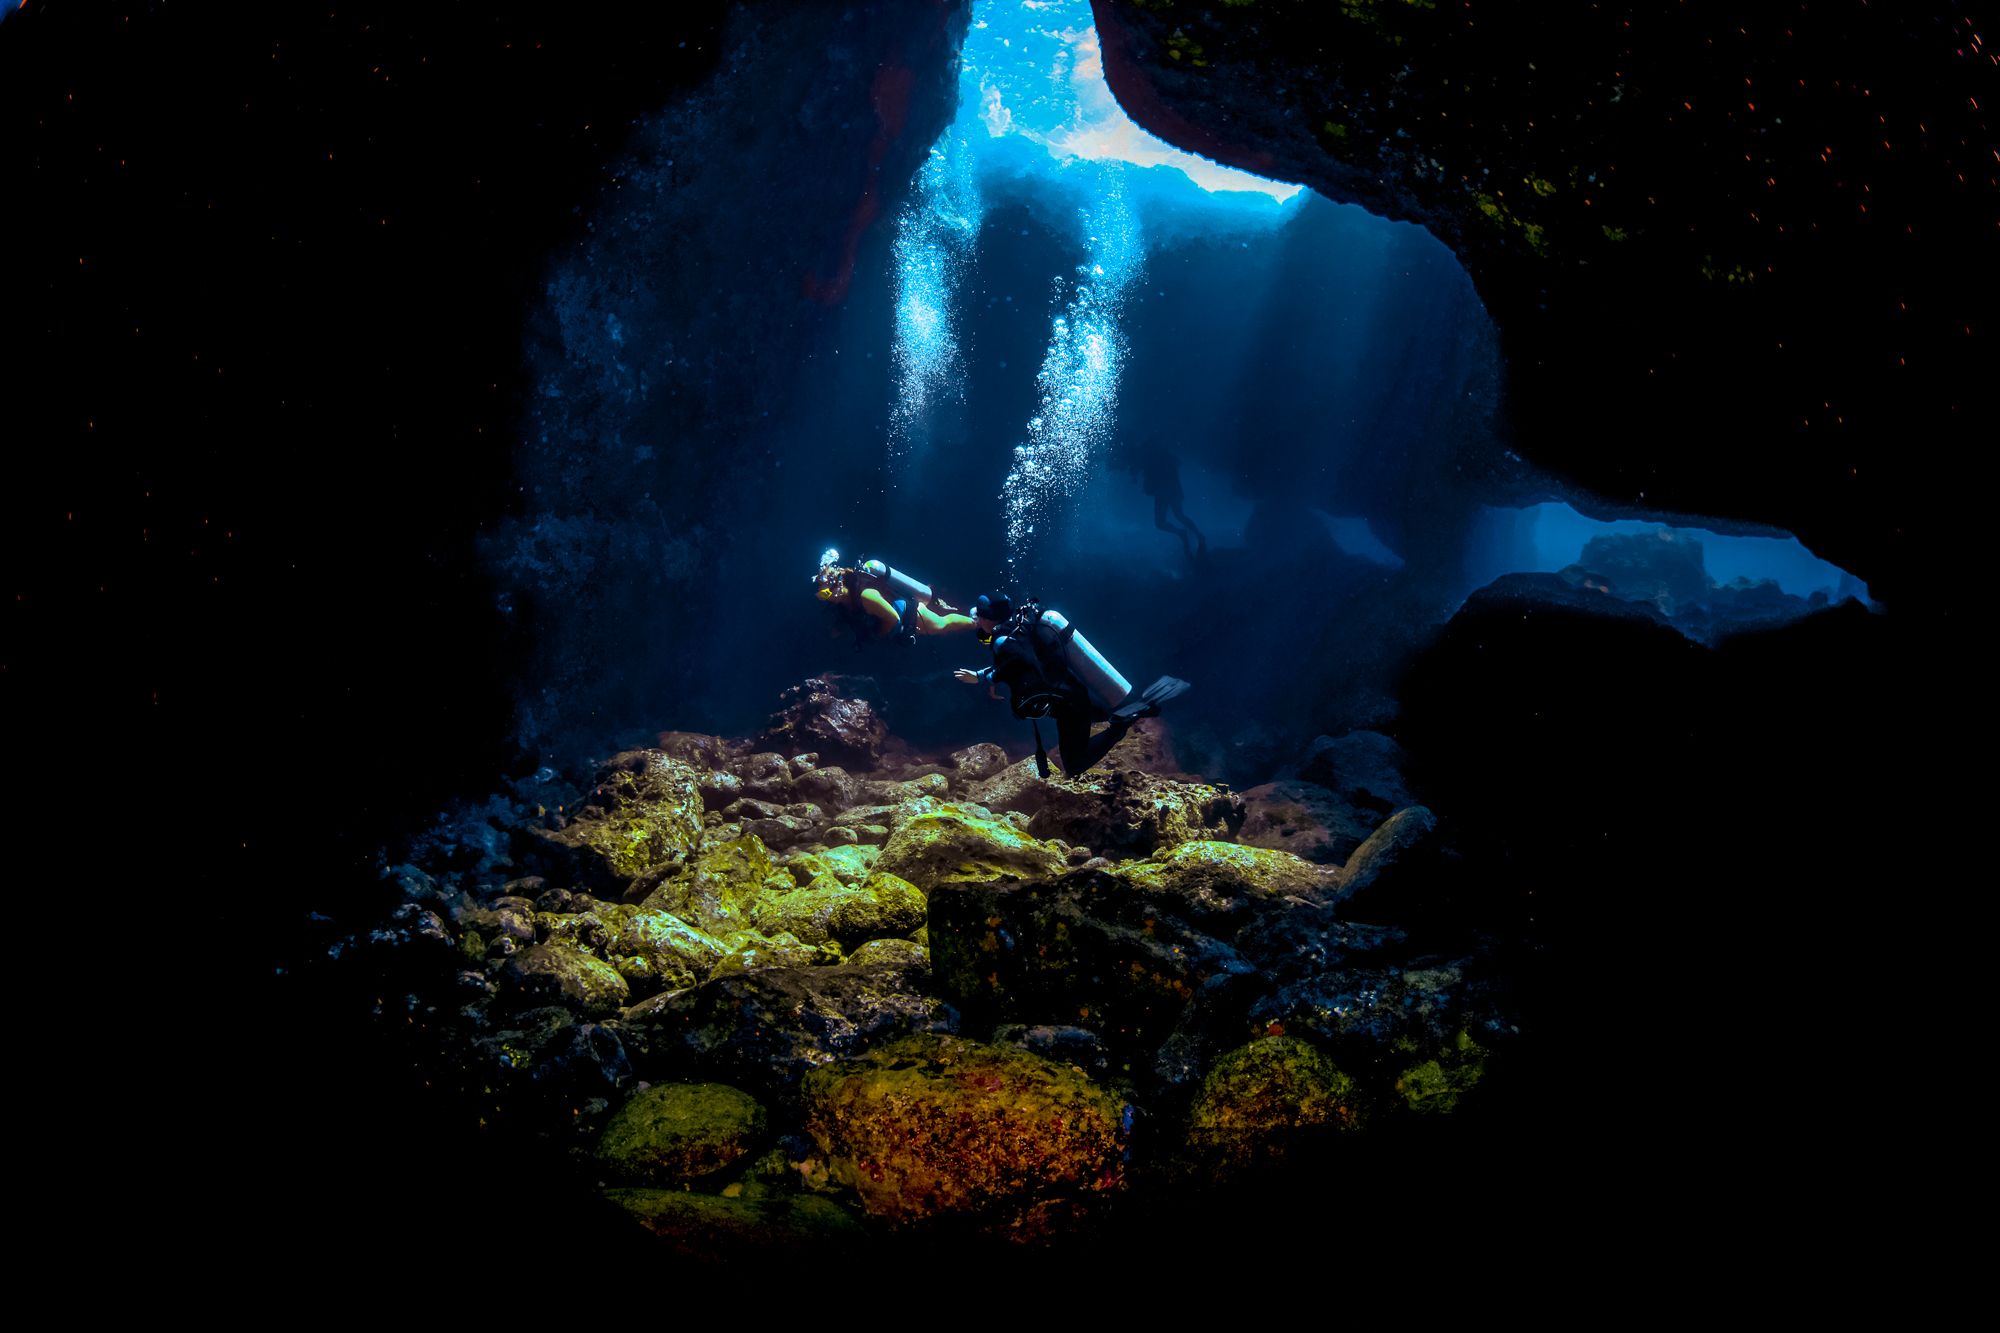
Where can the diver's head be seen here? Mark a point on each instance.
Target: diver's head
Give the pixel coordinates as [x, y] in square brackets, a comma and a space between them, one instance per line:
[990, 611]
[829, 582]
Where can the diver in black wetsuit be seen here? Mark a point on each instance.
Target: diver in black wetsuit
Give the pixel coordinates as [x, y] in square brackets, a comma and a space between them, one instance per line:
[1159, 474]
[1050, 671]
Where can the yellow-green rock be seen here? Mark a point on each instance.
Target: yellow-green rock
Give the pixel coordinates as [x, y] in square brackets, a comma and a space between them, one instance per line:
[952, 845]
[652, 818]
[678, 1132]
[884, 905]
[717, 891]
[1212, 875]
[1260, 1100]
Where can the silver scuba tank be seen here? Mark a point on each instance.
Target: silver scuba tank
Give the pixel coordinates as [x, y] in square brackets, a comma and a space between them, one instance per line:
[895, 583]
[1106, 686]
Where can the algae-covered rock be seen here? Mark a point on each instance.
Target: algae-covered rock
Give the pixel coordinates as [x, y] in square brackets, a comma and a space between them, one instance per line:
[716, 892]
[850, 864]
[935, 1128]
[673, 1133]
[713, 1228]
[1435, 1086]
[1381, 1022]
[951, 845]
[891, 953]
[764, 1029]
[644, 816]
[753, 951]
[978, 762]
[1260, 1100]
[672, 950]
[1123, 812]
[1222, 880]
[883, 905]
[1088, 948]
[545, 974]
[832, 788]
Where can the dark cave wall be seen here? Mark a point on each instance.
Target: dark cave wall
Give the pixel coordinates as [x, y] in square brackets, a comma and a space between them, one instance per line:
[1731, 250]
[677, 330]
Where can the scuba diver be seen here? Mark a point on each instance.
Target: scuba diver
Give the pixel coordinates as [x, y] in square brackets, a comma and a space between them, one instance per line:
[1159, 474]
[878, 602]
[1052, 671]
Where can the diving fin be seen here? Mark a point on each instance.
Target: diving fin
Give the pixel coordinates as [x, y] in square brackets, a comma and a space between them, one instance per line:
[1146, 703]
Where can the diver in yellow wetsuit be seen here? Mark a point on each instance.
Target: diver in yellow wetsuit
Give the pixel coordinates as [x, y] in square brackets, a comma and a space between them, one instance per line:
[878, 602]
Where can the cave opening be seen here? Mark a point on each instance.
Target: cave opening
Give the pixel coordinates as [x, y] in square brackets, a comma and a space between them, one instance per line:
[1247, 436]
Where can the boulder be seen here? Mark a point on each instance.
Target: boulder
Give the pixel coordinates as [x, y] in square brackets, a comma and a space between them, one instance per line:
[715, 893]
[644, 817]
[882, 905]
[1220, 883]
[1363, 768]
[754, 951]
[833, 788]
[907, 954]
[1259, 1102]
[1394, 854]
[935, 1128]
[555, 974]
[976, 763]
[1088, 949]
[951, 845]
[710, 1228]
[764, 1029]
[1122, 812]
[1306, 820]
[850, 864]
[674, 1133]
[1380, 1021]
[823, 715]
[764, 775]
[671, 950]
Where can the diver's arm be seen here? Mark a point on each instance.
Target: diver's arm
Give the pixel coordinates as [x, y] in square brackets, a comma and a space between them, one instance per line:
[983, 676]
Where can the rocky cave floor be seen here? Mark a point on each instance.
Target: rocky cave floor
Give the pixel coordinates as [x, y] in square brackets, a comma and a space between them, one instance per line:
[813, 988]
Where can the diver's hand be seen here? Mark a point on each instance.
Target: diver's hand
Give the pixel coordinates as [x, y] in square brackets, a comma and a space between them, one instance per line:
[965, 677]
[943, 608]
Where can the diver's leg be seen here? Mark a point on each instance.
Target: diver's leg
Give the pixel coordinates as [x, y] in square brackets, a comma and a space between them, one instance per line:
[1181, 514]
[930, 622]
[1160, 521]
[882, 609]
[1080, 749]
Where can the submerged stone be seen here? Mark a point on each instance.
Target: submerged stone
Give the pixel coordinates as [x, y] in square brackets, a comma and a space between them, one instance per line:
[713, 1228]
[717, 891]
[765, 1029]
[951, 845]
[1224, 881]
[934, 1127]
[547, 974]
[1260, 1100]
[678, 1132]
[644, 816]
[884, 905]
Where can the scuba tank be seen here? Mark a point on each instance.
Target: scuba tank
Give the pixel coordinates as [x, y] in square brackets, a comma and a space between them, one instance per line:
[1030, 624]
[894, 583]
[1106, 686]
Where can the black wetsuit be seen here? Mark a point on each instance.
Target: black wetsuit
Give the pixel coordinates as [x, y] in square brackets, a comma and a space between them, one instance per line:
[1029, 661]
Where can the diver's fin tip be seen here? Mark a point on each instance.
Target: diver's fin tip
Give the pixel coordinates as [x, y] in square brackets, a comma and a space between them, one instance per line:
[1147, 702]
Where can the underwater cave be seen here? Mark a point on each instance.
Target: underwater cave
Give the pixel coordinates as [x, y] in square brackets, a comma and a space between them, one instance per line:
[1554, 530]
